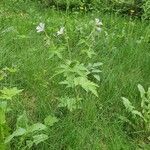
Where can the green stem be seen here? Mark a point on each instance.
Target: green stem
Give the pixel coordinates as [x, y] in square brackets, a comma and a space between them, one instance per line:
[68, 47]
[46, 34]
[1, 132]
[54, 76]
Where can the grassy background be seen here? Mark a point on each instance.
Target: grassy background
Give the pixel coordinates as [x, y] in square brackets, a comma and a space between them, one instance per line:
[125, 53]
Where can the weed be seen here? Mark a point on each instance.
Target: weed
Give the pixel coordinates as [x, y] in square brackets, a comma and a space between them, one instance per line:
[141, 117]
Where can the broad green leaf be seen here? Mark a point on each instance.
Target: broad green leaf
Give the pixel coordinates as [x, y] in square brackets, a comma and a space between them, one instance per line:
[96, 71]
[59, 55]
[37, 127]
[144, 96]
[22, 121]
[50, 120]
[56, 51]
[68, 82]
[137, 113]
[3, 108]
[98, 64]
[145, 107]
[97, 77]
[3, 105]
[86, 85]
[11, 70]
[9, 138]
[73, 68]
[128, 104]
[131, 108]
[88, 52]
[51, 55]
[70, 103]
[2, 75]
[79, 69]
[29, 143]
[18, 132]
[142, 91]
[9, 93]
[39, 138]
[81, 41]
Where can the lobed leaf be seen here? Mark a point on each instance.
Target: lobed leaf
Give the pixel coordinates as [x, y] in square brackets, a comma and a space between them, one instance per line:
[50, 120]
[22, 121]
[36, 127]
[86, 85]
[3, 109]
[142, 91]
[18, 132]
[70, 103]
[128, 104]
[9, 93]
[39, 138]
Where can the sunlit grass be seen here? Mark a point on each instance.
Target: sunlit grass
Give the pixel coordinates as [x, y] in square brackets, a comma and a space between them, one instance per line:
[124, 49]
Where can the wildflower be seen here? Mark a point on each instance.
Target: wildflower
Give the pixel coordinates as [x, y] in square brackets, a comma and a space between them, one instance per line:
[98, 22]
[99, 29]
[40, 27]
[61, 31]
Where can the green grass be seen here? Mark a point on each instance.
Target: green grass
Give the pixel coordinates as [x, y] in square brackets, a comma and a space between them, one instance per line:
[125, 54]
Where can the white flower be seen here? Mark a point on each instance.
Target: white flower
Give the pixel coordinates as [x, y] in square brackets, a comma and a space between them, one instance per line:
[40, 27]
[61, 31]
[98, 22]
[98, 25]
[99, 29]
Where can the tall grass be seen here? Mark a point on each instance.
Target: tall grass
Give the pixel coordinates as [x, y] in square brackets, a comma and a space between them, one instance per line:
[123, 47]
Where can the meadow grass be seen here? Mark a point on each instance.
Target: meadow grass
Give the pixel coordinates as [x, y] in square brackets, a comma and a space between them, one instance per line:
[124, 49]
